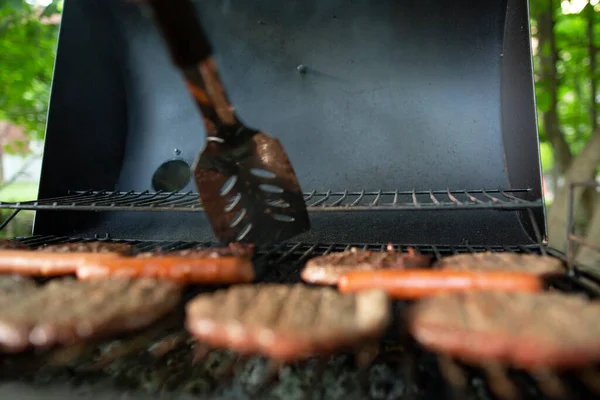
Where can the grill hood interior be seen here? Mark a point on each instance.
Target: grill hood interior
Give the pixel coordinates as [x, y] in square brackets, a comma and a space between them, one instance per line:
[413, 94]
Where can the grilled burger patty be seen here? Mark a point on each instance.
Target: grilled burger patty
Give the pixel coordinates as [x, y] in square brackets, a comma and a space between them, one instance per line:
[504, 261]
[89, 247]
[65, 311]
[286, 322]
[526, 330]
[8, 244]
[13, 286]
[328, 269]
[232, 250]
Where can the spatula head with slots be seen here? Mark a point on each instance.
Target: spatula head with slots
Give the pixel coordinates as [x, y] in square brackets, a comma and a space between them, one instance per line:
[249, 190]
[246, 182]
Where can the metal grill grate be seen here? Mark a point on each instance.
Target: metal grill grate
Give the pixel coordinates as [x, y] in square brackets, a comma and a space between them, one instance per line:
[497, 199]
[162, 359]
[282, 263]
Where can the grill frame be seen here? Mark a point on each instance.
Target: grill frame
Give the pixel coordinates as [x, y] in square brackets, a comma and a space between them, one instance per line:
[434, 133]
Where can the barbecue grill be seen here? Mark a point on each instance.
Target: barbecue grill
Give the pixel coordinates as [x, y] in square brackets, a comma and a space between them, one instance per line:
[407, 122]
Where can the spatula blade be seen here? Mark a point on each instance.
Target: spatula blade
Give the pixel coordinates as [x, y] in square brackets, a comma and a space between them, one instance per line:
[250, 192]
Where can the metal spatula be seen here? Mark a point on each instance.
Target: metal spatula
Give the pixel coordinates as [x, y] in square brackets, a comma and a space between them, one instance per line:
[246, 181]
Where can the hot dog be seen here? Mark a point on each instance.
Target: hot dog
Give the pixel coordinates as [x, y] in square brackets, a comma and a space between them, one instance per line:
[26, 262]
[216, 270]
[417, 283]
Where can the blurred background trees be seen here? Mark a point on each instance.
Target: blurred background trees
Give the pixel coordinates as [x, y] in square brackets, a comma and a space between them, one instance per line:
[566, 43]
[28, 36]
[27, 50]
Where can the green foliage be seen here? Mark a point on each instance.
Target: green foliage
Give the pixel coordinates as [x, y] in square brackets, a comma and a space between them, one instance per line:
[546, 155]
[27, 51]
[573, 68]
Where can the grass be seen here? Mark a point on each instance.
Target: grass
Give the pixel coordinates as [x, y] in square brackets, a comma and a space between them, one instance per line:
[19, 191]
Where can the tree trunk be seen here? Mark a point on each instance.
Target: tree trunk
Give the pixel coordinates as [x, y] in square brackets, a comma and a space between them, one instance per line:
[548, 54]
[586, 256]
[590, 195]
[592, 54]
[581, 169]
[555, 177]
[4, 127]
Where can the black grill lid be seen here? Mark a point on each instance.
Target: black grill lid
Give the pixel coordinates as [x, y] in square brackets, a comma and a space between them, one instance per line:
[418, 94]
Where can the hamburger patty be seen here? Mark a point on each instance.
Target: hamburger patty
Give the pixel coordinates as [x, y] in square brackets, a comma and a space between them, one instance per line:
[89, 247]
[287, 322]
[504, 261]
[12, 286]
[526, 330]
[65, 311]
[8, 244]
[328, 269]
[232, 250]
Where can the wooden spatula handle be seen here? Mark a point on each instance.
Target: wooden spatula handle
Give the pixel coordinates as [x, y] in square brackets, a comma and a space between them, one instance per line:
[180, 26]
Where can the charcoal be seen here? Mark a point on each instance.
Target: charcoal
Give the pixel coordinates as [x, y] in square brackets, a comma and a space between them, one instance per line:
[480, 388]
[255, 373]
[292, 383]
[385, 383]
[341, 381]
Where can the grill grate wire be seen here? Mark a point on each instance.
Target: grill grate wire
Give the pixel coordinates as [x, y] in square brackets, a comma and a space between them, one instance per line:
[346, 200]
[410, 372]
[284, 261]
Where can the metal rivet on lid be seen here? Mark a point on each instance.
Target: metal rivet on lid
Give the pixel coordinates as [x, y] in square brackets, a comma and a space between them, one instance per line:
[302, 68]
